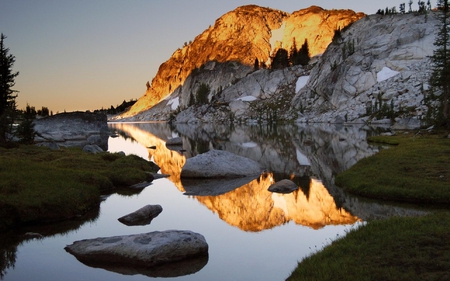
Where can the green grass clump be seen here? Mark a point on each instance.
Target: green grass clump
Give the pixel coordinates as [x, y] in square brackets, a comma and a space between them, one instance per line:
[414, 248]
[384, 140]
[416, 171]
[39, 184]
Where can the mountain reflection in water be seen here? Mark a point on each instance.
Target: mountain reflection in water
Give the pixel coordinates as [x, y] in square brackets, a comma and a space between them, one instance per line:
[253, 234]
[250, 207]
[253, 208]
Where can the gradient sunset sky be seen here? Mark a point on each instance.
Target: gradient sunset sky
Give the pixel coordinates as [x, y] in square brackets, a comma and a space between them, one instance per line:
[91, 54]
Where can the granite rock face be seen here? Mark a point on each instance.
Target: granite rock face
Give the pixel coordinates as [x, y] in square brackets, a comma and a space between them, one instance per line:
[380, 64]
[240, 37]
[376, 72]
[73, 129]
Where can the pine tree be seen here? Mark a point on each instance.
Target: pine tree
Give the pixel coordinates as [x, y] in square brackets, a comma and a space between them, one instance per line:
[281, 59]
[256, 64]
[441, 61]
[402, 8]
[293, 54]
[7, 94]
[303, 54]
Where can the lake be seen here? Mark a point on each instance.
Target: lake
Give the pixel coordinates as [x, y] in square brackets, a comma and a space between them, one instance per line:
[253, 234]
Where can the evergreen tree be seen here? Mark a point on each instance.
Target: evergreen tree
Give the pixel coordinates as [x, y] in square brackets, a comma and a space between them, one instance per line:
[293, 54]
[421, 7]
[201, 96]
[303, 54]
[7, 94]
[441, 61]
[281, 59]
[256, 64]
[25, 130]
[337, 37]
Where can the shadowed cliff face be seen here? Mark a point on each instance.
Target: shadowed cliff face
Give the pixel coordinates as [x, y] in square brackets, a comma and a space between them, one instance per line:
[243, 35]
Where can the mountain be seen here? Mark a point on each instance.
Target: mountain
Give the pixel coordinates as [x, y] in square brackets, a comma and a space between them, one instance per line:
[377, 71]
[374, 71]
[237, 39]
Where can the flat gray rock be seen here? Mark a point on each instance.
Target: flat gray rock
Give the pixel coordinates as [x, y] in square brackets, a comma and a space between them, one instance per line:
[73, 129]
[143, 216]
[174, 141]
[283, 186]
[140, 250]
[219, 164]
[213, 187]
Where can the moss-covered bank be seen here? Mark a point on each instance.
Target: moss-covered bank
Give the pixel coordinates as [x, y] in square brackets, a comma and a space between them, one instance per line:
[394, 249]
[416, 169]
[38, 184]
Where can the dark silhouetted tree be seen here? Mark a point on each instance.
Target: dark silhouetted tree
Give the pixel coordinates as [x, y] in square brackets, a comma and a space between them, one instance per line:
[440, 77]
[203, 91]
[7, 94]
[337, 37]
[293, 54]
[25, 130]
[256, 65]
[421, 7]
[281, 59]
[303, 54]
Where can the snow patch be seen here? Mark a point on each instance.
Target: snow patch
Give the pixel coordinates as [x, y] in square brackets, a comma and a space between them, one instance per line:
[302, 159]
[247, 98]
[385, 74]
[277, 36]
[301, 82]
[174, 103]
[249, 144]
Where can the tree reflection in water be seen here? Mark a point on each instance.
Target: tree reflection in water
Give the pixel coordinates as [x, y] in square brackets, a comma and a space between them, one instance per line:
[11, 240]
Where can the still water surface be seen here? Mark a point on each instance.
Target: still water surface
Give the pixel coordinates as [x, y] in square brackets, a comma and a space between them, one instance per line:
[253, 234]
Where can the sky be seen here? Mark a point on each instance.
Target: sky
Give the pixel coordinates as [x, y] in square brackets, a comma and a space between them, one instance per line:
[92, 54]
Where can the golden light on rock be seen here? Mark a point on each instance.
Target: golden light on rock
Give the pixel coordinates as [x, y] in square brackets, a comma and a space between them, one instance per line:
[253, 208]
[169, 161]
[241, 35]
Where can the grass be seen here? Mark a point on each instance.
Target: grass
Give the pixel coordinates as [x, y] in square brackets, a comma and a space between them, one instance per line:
[393, 249]
[39, 184]
[416, 170]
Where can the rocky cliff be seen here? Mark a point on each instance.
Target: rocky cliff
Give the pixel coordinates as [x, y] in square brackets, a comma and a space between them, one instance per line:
[375, 72]
[240, 37]
[378, 70]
